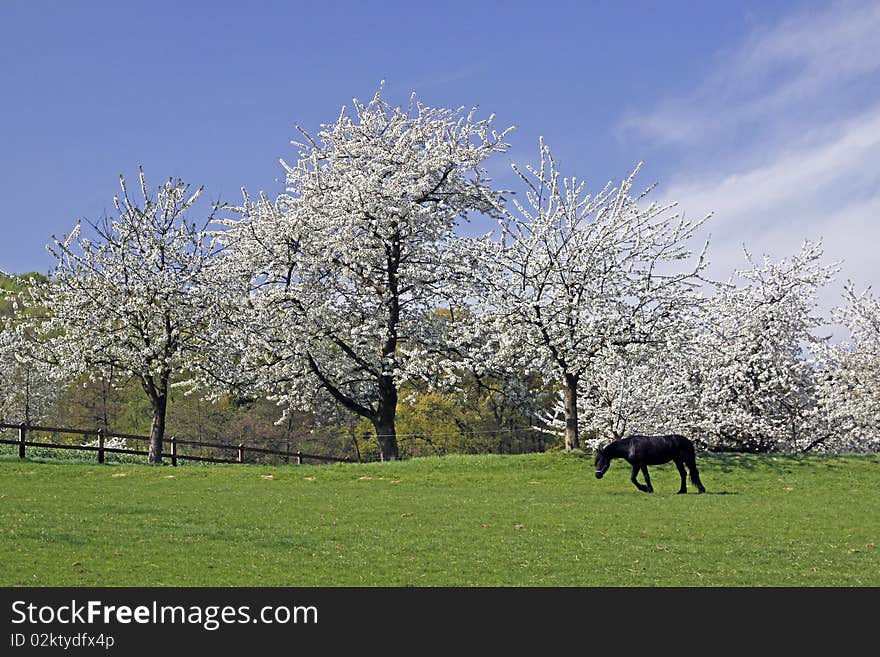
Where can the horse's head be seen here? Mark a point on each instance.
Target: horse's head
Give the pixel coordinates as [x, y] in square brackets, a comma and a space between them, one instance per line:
[602, 463]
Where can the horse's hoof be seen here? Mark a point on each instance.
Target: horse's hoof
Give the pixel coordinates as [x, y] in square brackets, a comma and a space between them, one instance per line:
[650, 490]
[682, 492]
[702, 490]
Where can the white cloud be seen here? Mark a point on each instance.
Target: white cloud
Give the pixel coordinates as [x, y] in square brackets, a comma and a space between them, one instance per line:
[828, 191]
[782, 143]
[778, 78]
[809, 182]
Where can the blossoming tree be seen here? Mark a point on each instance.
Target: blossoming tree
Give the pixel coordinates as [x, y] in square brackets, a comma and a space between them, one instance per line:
[849, 391]
[132, 298]
[333, 286]
[756, 385]
[576, 276]
[26, 391]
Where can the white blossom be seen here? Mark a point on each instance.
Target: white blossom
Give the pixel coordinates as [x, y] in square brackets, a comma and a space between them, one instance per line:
[334, 286]
[27, 394]
[849, 389]
[576, 278]
[129, 296]
[755, 384]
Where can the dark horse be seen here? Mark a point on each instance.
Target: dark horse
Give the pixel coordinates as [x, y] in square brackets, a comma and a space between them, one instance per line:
[642, 451]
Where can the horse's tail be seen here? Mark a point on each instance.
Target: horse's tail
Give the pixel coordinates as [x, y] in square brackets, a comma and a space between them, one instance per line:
[691, 460]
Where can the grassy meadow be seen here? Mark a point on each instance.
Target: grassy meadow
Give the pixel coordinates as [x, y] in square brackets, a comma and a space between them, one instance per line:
[531, 520]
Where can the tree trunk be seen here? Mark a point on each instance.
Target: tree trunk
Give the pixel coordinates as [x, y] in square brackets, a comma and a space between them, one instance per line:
[157, 427]
[386, 433]
[387, 440]
[571, 413]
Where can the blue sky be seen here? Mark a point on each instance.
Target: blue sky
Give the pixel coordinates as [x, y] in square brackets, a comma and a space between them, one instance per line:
[766, 113]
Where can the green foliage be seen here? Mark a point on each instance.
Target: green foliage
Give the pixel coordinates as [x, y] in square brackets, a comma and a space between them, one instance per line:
[432, 425]
[478, 419]
[527, 520]
[485, 416]
[95, 404]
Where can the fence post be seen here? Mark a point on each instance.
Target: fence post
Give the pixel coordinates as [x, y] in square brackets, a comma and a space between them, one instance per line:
[174, 451]
[240, 452]
[22, 437]
[299, 457]
[102, 434]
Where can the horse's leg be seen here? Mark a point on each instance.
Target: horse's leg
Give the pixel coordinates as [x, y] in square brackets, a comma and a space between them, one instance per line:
[680, 465]
[635, 471]
[695, 474]
[648, 487]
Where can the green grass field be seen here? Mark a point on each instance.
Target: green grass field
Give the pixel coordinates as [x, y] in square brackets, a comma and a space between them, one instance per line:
[533, 520]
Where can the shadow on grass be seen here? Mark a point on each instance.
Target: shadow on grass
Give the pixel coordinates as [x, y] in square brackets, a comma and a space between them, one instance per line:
[781, 462]
[660, 493]
[777, 461]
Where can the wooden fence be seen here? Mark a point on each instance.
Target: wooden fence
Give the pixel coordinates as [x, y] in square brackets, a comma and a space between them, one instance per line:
[241, 450]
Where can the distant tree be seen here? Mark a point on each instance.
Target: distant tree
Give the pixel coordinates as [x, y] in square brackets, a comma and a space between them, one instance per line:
[26, 392]
[130, 299]
[343, 272]
[849, 390]
[483, 414]
[756, 386]
[576, 277]
[104, 402]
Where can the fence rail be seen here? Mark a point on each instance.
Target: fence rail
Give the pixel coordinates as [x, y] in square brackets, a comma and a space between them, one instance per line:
[241, 450]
